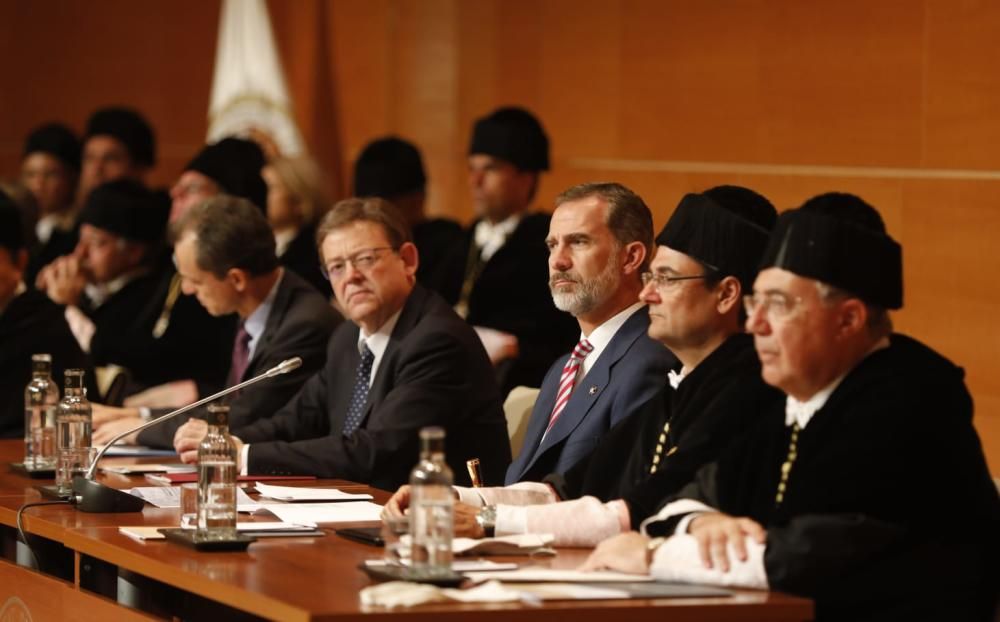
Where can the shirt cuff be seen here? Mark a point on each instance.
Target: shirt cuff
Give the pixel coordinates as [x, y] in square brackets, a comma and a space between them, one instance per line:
[244, 460]
[675, 508]
[678, 560]
[511, 519]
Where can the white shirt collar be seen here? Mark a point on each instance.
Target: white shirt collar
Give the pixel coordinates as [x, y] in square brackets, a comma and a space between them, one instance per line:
[491, 237]
[601, 336]
[257, 321]
[675, 378]
[378, 341]
[282, 239]
[802, 412]
[50, 222]
[98, 293]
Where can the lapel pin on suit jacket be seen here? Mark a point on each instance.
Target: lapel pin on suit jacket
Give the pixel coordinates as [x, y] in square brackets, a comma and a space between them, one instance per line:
[593, 390]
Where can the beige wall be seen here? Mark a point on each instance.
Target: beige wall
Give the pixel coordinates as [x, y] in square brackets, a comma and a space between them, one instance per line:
[898, 101]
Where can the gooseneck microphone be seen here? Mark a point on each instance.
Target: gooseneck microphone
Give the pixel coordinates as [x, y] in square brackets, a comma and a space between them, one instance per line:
[92, 496]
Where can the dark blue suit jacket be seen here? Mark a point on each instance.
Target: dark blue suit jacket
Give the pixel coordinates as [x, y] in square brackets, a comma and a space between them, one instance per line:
[630, 370]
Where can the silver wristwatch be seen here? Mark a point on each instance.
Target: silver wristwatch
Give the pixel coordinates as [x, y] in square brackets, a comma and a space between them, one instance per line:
[487, 519]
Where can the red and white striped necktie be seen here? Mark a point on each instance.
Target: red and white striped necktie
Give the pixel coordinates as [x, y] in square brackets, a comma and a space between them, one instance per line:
[568, 379]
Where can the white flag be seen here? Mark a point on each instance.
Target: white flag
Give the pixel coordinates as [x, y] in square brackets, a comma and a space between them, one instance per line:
[248, 89]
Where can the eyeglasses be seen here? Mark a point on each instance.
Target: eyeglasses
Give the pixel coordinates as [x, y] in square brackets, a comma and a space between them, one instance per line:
[775, 305]
[363, 261]
[664, 281]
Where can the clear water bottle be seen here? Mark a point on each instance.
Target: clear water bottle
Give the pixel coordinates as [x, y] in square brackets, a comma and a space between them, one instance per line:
[431, 519]
[73, 416]
[41, 397]
[217, 478]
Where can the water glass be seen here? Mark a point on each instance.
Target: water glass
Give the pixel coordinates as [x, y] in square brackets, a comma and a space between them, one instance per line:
[189, 505]
[72, 461]
[393, 530]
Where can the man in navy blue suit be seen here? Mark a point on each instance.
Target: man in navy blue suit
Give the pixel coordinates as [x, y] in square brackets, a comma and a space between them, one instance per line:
[599, 243]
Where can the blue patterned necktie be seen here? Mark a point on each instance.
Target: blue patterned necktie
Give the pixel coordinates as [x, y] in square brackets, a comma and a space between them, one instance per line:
[360, 395]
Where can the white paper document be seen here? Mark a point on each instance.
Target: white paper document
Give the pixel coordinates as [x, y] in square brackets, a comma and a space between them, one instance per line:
[170, 497]
[295, 493]
[320, 513]
[533, 574]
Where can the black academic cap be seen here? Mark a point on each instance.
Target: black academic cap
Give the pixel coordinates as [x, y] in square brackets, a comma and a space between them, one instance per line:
[387, 168]
[11, 234]
[512, 134]
[840, 240]
[129, 127]
[234, 164]
[725, 228]
[126, 208]
[56, 140]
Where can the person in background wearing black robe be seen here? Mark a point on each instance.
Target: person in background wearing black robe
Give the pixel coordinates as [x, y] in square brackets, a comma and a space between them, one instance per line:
[391, 168]
[30, 324]
[297, 198]
[109, 285]
[497, 277]
[118, 143]
[50, 169]
[707, 253]
[225, 254]
[868, 489]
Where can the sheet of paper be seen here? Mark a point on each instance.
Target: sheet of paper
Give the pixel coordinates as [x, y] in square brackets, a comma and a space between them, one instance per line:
[319, 513]
[170, 497]
[130, 469]
[153, 533]
[136, 451]
[467, 565]
[534, 574]
[295, 493]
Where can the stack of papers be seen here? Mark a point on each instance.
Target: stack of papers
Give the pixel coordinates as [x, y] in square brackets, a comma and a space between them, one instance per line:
[520, 544]
[325, 513]
[260, 530]
[295, 493]
[170, 497]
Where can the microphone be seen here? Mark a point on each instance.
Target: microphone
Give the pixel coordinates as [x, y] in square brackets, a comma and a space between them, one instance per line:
[93, 496]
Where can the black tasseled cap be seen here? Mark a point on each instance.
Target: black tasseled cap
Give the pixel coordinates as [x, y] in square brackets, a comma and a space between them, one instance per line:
[387, 168]
[126, 208]
[58, 141]
[725, 227]
[839, 239]
[130, 128]
[512, 134]
[234, 164]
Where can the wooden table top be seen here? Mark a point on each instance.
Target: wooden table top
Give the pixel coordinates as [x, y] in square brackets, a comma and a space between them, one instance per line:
[317, 578]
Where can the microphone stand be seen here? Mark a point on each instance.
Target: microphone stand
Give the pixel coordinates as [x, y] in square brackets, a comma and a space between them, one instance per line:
[93, 496]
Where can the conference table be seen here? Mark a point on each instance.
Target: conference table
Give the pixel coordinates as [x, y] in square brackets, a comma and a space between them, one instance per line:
[88, 568]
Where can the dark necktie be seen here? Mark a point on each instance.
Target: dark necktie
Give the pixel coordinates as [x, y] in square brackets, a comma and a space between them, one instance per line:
[360, 395]
[241, 356]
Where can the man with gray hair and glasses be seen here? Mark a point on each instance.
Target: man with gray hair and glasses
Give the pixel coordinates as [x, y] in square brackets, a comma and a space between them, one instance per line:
[867, 489]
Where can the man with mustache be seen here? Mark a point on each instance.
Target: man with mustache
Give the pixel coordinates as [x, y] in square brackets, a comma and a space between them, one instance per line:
[599, 240]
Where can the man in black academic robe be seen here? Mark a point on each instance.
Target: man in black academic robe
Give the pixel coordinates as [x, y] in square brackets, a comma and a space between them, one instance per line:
[496, 275]
[868, 489]
[30, 324]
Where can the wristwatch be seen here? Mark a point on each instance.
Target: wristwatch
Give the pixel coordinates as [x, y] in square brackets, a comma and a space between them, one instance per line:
[487, 519]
